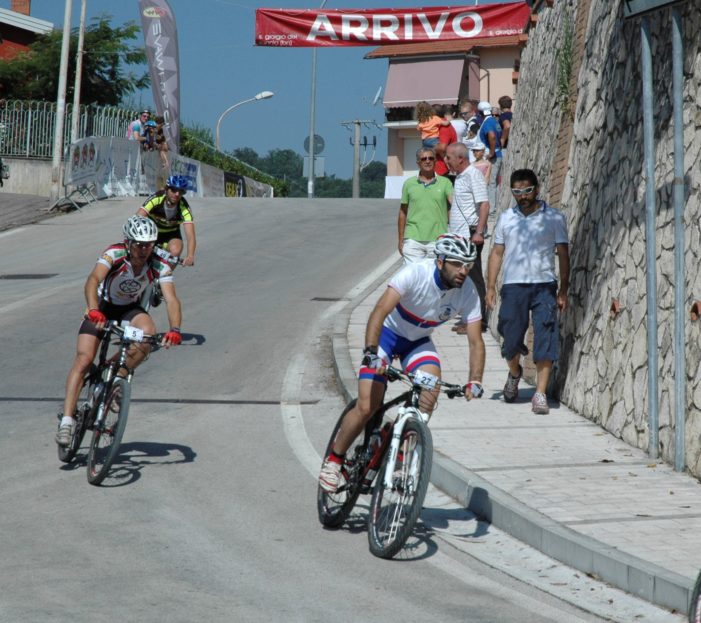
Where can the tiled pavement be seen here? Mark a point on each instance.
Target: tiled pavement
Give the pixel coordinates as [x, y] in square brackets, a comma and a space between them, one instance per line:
[557, 482]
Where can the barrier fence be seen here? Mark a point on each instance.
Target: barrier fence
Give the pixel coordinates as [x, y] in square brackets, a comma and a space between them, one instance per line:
[27, 127]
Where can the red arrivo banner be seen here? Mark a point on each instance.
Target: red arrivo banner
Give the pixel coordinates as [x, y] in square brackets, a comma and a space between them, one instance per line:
[293, 28]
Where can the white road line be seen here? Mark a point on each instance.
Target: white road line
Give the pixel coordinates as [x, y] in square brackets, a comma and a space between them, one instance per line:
[290, 410]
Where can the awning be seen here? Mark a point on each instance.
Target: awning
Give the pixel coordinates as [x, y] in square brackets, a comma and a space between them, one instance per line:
[436, 81]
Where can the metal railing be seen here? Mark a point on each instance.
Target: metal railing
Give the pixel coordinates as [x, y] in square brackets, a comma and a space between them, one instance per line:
[27, 127]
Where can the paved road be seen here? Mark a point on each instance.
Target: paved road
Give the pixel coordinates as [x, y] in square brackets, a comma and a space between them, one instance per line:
[211, 514]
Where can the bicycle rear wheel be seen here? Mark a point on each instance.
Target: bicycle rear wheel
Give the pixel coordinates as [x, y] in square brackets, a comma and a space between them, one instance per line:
[334, 508]
[67, 453]
[107, 435]
[395, 510]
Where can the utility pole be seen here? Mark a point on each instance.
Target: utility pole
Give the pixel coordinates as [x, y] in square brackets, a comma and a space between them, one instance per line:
[61, 105]
[356, 143]
[78, 74]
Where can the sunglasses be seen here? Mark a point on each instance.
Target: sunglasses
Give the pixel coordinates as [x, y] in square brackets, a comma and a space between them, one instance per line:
[522, 191]
[143, 245]
[427, 158]
[458, 264]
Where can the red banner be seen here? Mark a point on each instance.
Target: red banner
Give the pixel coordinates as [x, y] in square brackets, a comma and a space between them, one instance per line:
[293, 28]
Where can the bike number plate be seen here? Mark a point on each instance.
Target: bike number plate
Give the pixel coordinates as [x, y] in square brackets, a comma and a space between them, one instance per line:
[425, 380]
[133, 333]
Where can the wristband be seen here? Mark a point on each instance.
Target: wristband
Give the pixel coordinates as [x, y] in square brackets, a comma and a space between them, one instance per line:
[370, 350]
[176, 329]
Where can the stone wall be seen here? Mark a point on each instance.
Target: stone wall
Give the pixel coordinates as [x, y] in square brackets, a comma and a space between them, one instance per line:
[602, 373]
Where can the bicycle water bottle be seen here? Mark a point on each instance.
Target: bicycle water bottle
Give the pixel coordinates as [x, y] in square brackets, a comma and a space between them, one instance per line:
[96, 393]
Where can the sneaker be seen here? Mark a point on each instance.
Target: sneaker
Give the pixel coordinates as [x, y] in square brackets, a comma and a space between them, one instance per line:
[64, 435]
[330, 476]
[539, 404]
[511, 387]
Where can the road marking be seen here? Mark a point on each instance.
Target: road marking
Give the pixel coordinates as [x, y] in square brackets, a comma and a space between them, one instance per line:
[290, 409]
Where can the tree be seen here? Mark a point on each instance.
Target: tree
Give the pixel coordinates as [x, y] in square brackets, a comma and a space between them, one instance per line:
[33, 75]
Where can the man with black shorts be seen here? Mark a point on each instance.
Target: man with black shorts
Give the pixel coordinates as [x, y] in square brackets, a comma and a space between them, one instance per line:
[169, 209]
[113, 291]
[527, 238]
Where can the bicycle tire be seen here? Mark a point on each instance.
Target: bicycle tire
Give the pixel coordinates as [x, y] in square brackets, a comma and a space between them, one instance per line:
[107, 436]
[66, 454]
[394, 512]
[695, 602]
[334, 508]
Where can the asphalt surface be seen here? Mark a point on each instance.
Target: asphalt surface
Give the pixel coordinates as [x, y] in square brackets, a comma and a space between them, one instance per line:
[558, 482]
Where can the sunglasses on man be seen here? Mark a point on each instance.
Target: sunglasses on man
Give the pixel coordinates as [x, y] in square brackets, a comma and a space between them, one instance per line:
[522, 191]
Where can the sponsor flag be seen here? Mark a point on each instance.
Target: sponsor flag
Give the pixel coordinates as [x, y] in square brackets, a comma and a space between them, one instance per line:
[161, 39]
[292, 28]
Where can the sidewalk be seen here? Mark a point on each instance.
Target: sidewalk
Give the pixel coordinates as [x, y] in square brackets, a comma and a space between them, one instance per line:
[17, 210]
[557, 482]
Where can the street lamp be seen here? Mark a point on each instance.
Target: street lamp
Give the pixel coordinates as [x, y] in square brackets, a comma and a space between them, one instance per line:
[263, 95]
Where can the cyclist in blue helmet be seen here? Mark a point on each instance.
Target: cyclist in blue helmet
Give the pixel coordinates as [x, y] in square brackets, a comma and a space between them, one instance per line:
[169, 209]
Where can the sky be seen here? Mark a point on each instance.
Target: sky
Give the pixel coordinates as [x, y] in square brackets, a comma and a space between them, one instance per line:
[220, 66]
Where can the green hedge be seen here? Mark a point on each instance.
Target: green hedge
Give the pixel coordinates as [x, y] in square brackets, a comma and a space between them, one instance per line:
[193, 147]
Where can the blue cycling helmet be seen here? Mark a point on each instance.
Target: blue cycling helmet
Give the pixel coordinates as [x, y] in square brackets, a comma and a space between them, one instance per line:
[177, 182]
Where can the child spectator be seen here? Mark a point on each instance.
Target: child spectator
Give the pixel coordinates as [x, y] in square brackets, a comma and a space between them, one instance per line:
[505, 102]
[480, 163]
[161, 143]
[428, 125]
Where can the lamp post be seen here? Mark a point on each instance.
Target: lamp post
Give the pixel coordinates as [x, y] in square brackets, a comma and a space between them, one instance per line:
[263, 95]
[312, 123]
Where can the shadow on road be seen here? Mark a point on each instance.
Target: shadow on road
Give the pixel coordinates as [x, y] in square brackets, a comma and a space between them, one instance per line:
[136, 455]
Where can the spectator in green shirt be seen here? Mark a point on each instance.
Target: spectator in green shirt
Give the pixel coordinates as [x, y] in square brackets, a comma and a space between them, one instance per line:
[423, 213]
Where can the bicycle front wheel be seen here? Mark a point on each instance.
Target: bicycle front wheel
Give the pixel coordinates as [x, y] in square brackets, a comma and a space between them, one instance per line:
[67, 453]
[394, 510]
[107, 435]
[334, 508]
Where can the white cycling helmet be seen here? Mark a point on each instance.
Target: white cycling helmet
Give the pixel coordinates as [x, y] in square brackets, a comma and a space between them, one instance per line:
[140, 229]
[454, 247]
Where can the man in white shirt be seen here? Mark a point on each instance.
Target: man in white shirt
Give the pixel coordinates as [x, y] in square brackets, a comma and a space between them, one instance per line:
[526, 239]
[468, 214]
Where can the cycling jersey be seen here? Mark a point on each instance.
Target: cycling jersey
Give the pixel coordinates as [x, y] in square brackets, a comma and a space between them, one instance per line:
[427, 303]
[167, 219]
[121, 286]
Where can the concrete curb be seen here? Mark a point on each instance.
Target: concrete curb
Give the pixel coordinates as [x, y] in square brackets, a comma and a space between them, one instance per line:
[633, 575]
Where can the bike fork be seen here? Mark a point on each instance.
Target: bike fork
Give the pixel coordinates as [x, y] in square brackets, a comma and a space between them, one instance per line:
[405, 414]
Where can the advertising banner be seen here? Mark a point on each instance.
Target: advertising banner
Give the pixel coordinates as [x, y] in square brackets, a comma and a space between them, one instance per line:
[161, 39]
[211, 181]
[350, 27]
[234, 185]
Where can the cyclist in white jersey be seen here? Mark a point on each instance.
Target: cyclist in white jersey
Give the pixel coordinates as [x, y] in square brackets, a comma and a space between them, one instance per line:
[113, 291]
[420, 297]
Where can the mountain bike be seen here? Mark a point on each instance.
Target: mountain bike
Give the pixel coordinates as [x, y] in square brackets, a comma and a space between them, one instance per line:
[392, 461]
[103, 403]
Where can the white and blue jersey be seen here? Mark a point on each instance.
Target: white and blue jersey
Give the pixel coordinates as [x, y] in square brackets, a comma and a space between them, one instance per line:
[425, 304]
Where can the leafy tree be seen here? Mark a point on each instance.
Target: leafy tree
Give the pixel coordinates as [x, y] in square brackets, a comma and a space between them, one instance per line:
[33, 75]
[286, 164]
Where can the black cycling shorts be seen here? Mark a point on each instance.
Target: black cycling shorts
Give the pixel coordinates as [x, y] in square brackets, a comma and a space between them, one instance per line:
[113, 312]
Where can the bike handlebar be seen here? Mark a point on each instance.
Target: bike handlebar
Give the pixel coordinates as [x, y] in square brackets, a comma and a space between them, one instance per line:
[449, 389]
[114, 327]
